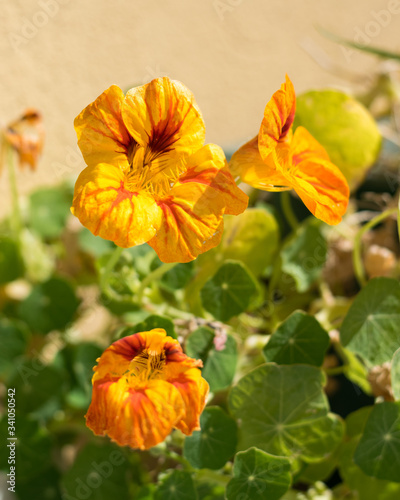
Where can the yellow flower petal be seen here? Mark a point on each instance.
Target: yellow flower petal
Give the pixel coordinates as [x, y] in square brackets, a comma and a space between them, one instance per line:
[192, 211]
[163, 117]
[209, 167]
[102, 135]
[304, 146]
[247, 163]
[135, 415]
[107, 208]
[319, 183]
[278, 119]
[188, 222]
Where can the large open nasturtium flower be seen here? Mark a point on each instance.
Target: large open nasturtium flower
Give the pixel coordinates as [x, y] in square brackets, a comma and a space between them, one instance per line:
[149, 178]
[278, 160]
[143, 387]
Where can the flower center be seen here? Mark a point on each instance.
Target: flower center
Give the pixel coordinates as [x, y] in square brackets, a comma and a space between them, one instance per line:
[146, 365]
[150, 172]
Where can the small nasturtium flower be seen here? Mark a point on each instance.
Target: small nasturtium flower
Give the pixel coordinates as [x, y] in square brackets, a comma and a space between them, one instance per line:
[143, 387]
[278, 160]
[26, 136]
[149, 177]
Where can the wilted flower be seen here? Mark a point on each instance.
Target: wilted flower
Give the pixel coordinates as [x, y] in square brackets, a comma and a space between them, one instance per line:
[149, 177]
[26, 136]
[278, 160]
[143, 387]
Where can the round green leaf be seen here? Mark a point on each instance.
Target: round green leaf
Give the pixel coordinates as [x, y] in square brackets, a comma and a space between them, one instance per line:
[299, 339]
[283, 410]
[252, 238]
[49, 209]
[199, 343]
[178, 277]
[50, 306]
[11, 265]
[219, 364]
[176, 486]
[395, 374]
[98, 473]
[367, 487]
[371, 326]
[215, 443]
[303, 254]
[355, 421]
[151, 322]
[378, 453]
[258, 476]
[229, 292]
[344, 127]
[14, 338]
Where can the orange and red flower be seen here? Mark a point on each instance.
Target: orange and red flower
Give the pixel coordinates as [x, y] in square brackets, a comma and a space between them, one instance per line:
[143, 387]
[26, 137]
[278, 160]
[149, 178]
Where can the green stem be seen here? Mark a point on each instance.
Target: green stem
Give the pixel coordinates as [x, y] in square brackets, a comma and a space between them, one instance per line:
[154, 275]
[337, 370]
[288, 210]
[177, 458]
[357, 259]
[16, 214]
[114, 258]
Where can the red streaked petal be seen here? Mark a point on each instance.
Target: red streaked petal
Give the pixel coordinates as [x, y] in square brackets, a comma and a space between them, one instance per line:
[139, 416]
[319, 183]
[194, 390]
[102, 134]
[163, 117]
[278, 119]
[323, 189]
[107, 208]
[190, 219]
[208, 166]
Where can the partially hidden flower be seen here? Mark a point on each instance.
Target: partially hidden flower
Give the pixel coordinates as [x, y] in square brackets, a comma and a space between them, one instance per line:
[143, 387]
[278, 160]
[149, 178]
[26, 137]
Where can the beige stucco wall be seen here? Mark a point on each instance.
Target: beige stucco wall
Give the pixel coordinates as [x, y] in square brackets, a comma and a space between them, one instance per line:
[231, 53]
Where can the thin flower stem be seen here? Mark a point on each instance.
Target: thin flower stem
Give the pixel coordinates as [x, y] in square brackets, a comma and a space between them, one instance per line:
[114, 258]
[357, 259]
[288, 210]
[16, 213]
[337, 370]
[154, 275]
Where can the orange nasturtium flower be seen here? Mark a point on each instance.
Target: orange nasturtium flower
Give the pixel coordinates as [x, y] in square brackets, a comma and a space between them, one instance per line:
[143, 387]
[278, 160]
[26, 136]
[149, 177]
